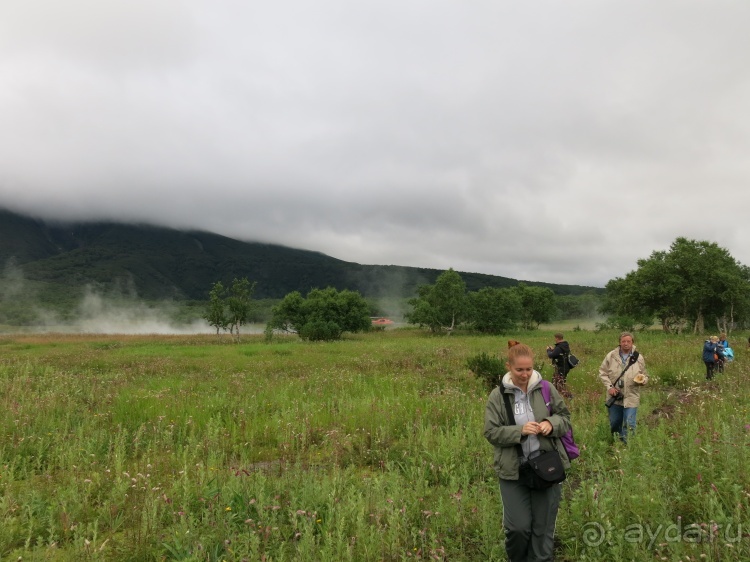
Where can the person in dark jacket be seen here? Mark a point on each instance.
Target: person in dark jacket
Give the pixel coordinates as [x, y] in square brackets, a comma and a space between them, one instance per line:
[559, 353]
[711, 351]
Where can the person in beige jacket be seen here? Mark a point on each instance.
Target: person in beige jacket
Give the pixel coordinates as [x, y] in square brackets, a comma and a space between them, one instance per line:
[622, 414]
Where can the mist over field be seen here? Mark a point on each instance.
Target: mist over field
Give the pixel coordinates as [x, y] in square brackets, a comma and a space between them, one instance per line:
[114, 311]
[98, 315]
[32, 307]
[11, 280]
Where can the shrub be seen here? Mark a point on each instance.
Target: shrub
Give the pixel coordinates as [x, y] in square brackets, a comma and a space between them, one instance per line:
[488, 368]
[624, 324]
[320, 330]
[618, 323]
[327, 311]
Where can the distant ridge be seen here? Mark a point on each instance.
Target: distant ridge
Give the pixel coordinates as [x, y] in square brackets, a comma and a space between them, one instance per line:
[158, 262]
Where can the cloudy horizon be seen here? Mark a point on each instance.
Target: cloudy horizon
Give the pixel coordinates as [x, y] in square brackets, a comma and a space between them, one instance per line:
[554, 142]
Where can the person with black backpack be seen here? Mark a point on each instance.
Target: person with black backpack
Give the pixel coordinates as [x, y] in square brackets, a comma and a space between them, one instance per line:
[560, 356]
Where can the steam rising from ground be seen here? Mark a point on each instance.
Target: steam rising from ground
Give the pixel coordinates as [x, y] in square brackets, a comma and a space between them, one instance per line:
[117, 311]
[101, 316]
[11, 282]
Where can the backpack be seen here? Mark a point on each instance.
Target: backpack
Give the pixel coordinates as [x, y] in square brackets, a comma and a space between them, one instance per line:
[572, 361]
[567, 440]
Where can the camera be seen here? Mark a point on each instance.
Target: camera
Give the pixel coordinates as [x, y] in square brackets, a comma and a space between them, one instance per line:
[612, 399]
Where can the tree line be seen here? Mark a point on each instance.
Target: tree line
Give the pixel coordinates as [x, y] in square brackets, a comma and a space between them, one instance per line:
[692, 285]
[446, 305]
[326, 314]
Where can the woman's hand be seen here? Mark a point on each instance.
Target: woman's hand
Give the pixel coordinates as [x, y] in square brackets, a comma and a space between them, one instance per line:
[545, 428]
[530, 428]
[534, 428]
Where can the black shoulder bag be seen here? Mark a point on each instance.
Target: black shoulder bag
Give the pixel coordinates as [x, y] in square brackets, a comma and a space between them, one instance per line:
[543, 469]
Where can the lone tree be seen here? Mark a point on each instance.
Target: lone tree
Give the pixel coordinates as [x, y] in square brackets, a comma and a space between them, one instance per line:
[693, 284]
[325, 314]
[230, 309]
[441, 306]
[239, 304]
[216, 314]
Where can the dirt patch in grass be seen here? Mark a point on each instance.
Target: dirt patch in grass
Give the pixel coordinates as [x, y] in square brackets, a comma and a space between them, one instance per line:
[675, 402]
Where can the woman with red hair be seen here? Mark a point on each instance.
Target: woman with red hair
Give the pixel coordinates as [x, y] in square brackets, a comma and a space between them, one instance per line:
[529, 512]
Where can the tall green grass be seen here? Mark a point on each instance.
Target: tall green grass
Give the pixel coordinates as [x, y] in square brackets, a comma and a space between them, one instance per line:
[191, 448]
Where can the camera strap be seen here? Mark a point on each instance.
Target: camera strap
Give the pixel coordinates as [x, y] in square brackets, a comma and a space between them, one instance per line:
[632, 361]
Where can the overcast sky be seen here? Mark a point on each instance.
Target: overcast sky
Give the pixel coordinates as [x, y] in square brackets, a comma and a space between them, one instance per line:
[548, 141]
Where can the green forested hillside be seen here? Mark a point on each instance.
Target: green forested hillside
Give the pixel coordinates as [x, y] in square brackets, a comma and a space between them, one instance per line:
[157, 263]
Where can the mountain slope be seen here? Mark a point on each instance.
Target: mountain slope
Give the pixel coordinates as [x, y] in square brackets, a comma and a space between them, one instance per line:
[156, 262]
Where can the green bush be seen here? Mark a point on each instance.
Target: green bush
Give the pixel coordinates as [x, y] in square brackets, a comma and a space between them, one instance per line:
[623, 324]
[320, 330]
[488, 368]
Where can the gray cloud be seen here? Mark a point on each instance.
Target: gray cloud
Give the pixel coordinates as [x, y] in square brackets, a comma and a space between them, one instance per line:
[542, 141]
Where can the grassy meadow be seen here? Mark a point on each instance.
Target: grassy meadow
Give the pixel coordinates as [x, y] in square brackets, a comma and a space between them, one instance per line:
[139, 448]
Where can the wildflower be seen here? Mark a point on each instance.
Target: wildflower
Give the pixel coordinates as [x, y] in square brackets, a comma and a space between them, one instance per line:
[228, 509]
